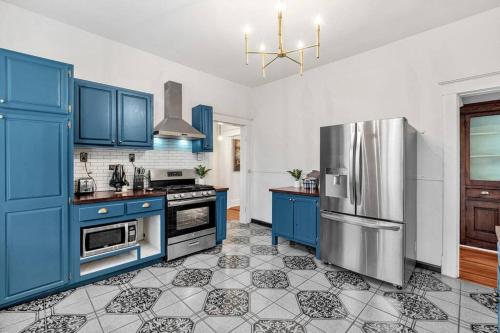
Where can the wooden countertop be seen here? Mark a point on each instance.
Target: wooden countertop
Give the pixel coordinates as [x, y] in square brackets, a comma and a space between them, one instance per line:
[103, 196]
[221, 189]
[297, 191]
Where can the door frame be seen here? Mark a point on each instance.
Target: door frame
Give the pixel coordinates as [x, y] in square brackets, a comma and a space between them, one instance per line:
[245, 125]
[452, 93]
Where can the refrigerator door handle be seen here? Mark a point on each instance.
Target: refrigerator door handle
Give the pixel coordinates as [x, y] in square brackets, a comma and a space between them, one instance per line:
[357, 164]
[359, 222]
[352, 166]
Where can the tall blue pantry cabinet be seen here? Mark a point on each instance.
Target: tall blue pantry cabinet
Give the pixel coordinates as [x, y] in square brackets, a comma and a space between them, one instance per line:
[35, 172]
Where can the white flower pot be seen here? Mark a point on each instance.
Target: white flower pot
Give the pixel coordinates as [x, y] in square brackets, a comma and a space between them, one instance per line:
[296, 184]
[201, 181]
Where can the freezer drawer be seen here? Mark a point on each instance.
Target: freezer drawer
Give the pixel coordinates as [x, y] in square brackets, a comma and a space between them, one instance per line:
[369, 247]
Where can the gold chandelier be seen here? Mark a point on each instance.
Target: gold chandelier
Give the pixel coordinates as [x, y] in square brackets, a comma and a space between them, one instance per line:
[282, 52]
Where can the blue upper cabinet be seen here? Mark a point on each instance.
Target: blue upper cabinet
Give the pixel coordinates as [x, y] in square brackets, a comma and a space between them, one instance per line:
[134, 119]
[203, 121]
[111, 116]
[34, 84]
[95, 113]
[34, 171]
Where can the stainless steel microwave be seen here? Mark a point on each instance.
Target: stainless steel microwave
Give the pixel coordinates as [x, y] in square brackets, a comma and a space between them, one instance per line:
[107, 238]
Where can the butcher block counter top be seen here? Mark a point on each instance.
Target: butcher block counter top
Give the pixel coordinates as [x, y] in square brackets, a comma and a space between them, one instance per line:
[221, 189]
[296, 190]
[103, 196]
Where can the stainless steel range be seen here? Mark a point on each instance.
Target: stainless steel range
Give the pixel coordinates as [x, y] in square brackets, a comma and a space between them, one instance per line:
[190, 211]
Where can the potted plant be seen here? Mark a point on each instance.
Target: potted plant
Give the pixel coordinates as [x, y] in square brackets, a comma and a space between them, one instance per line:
[296, 174]
[201, 171]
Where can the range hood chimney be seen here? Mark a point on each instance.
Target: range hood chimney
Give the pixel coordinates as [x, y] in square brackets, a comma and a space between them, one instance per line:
[172, 126]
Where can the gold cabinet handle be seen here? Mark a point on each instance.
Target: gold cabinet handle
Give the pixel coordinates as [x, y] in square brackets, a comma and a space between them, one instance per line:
[102, 211]
[146, 205]
[485, 193]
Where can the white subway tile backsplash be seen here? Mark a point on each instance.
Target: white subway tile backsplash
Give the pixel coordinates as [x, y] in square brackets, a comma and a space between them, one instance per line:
[167, 153]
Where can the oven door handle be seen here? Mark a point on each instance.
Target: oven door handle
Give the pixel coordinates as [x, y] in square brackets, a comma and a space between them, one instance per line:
[190, 201]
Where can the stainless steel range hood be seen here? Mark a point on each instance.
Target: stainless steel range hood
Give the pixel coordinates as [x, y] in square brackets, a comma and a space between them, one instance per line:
[172, 126]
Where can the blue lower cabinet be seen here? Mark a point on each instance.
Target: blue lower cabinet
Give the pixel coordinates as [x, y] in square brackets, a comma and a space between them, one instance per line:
[295, 217]
[282, 215]
[34, 210]
[221, 216]
[151, 236]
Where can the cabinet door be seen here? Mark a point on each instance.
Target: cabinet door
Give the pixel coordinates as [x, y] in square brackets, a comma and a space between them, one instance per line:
[34, 164]
[135, 123]
[95, 113]
[202, 116]
[34, 84]
[305, 216]
[282, 223]
[221, 212]
[481, 218]
[208, 129]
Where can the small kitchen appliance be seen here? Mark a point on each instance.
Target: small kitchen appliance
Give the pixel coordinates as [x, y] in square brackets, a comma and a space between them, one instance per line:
[85, 185]
[190, 215]
[119, 178]
[139, 176]
[368, 197]
[107, 238]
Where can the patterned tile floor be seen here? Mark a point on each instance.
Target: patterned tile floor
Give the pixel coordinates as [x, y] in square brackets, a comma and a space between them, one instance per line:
[249, 286]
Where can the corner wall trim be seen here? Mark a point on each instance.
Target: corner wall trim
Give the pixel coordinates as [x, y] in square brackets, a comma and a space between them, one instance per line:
[429, 267]
[260, 222]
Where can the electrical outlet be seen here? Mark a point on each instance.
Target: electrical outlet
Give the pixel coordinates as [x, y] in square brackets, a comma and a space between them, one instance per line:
[84, 157]
[131, 158]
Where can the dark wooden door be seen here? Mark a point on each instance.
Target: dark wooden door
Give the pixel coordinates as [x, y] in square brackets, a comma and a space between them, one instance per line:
[480, 174]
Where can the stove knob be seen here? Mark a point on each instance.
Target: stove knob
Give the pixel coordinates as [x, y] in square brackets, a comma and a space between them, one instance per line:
[183, 195]
[205, 193]
[176, 196]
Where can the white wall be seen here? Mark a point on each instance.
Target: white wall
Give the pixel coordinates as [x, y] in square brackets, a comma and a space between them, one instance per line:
[103, 60]
[221, 161]
[399, 79]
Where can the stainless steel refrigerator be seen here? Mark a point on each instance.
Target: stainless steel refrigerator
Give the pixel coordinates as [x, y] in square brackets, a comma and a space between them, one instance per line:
[368, 198]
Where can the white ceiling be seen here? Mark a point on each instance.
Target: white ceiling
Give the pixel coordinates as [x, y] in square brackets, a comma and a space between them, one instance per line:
[208, 34]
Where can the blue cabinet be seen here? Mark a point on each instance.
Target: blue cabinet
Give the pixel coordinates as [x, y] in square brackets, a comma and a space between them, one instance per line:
[203, 121]
[221, 216]
[150, 215]
[34, 84]
[34, 172]
[111, 116]
[282, 215]
[296, 217]
[95, 113]
[135, 121]
[36, 159]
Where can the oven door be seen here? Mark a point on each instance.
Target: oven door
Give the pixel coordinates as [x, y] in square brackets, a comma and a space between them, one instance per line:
[190, 215]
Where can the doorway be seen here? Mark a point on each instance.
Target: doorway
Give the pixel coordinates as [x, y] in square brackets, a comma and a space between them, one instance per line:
[479, 190]
[226, 165]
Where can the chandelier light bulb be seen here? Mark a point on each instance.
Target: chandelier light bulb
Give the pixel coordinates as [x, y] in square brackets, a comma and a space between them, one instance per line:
[246, 30]
[262, 47]
[300, 44]
[280, 7]
[318, 20]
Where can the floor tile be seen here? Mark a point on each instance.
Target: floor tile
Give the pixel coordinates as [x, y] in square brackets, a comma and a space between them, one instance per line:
[248, 285]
